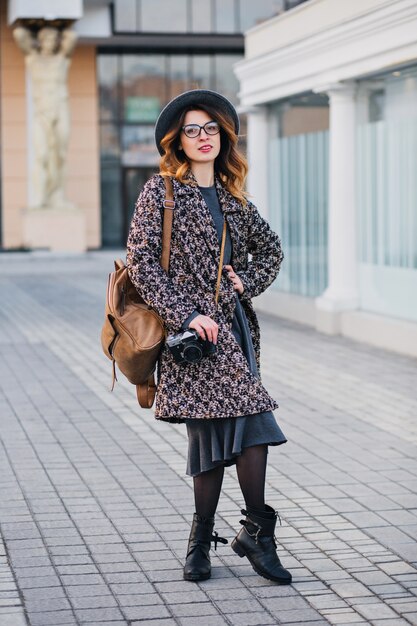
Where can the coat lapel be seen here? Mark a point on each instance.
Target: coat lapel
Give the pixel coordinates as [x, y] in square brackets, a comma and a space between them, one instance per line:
[228, 202]
[193, 212]
[231, 208]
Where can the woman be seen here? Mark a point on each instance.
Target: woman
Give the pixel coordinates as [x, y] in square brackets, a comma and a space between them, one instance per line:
[227, 411]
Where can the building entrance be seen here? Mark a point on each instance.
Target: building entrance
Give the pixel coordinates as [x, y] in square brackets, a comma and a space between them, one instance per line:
[134, 87]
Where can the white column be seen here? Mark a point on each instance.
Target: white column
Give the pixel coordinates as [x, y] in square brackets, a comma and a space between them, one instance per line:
[257, 140]
[342, 291]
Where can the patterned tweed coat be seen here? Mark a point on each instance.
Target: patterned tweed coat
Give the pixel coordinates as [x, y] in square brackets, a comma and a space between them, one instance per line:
[220, 385]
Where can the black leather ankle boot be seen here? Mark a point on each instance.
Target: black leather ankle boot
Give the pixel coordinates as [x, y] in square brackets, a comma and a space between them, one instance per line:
[197, 565]
[256, 541]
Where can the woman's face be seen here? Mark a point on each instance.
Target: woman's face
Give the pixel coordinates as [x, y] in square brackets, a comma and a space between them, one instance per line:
[201, 149]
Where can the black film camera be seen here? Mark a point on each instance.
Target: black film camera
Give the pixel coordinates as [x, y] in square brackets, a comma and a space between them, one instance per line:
[187, 347]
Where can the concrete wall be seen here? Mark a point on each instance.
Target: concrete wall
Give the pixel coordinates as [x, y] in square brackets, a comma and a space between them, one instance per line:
[83, 166]
[13, 135]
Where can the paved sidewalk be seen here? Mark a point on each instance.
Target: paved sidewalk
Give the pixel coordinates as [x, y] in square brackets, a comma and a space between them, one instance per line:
[95, 506]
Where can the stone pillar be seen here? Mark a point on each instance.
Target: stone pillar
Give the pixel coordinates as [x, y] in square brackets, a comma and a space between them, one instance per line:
[342, 291]
[42, 31]
[50, 221]
[258, 138]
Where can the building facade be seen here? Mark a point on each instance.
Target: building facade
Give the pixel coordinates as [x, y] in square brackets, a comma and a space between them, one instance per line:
[327, 93]
[330, 91]
[131, 58]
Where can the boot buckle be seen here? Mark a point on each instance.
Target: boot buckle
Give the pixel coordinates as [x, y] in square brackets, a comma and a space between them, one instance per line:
[215, 537]
[255, 534]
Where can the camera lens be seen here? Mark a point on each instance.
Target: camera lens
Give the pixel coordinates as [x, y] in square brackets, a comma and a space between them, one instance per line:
[192, 354]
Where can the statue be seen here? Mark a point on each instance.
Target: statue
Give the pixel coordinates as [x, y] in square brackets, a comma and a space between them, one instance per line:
[47, 57]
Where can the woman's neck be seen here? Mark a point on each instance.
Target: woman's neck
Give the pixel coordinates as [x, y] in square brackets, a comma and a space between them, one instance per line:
[203, 173]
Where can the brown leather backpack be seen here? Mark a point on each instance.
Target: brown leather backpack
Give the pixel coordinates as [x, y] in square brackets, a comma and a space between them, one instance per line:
[133, 333]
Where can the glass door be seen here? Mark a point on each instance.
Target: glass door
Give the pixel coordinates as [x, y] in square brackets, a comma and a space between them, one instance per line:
[134, 179]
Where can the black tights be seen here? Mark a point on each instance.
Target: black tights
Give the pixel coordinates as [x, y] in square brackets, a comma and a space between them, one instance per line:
[251, 471]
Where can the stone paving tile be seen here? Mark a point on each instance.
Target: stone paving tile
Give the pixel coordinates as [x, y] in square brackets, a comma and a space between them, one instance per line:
[13, 619]
[149, 612]
[197, 610]
[250, 619]
[209, 620]
[155, 622]
[373, 611]
[95, 506]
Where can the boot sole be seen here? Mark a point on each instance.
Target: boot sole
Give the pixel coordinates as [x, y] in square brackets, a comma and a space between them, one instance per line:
[195, 579]
[240, 551]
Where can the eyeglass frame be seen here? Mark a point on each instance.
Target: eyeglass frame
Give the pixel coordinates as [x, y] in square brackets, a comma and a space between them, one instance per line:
[201, 128]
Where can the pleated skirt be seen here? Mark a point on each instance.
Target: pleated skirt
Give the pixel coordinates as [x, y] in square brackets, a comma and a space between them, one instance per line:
[220, 441]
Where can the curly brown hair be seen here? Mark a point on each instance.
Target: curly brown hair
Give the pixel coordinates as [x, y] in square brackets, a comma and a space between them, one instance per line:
[230, 164]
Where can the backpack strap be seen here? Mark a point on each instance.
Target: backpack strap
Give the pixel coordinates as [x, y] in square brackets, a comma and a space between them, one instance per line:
[220, 268]
[146, 391]
[169, 206]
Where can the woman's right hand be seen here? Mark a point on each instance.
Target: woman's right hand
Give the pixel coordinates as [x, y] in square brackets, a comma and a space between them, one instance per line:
[206, 327]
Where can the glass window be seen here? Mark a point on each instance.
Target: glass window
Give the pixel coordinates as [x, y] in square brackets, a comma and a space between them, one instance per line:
[111, 206]
[252, 13]
[107, 69]
[125, 16]
[298, 198]
[109, 143]
[162, 16]
[143, 87]
[133, 88]
[202, 71]
[201, 16]
[226, 81]
[134, 180]
[376, 105]
[138, 146]
[179, 74]
[225, 16]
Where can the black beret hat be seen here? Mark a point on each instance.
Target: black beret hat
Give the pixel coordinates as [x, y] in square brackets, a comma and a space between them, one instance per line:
[173, 109]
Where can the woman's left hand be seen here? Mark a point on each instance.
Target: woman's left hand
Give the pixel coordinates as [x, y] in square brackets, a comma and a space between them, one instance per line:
[237, 283]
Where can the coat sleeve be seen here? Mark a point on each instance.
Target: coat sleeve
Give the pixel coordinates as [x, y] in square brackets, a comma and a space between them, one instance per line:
[144, 246]
[265, 247]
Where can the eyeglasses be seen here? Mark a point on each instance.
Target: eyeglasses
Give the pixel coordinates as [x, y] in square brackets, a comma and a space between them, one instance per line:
[194, 130]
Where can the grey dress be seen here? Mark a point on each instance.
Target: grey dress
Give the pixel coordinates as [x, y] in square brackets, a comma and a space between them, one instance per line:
[219, 441]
